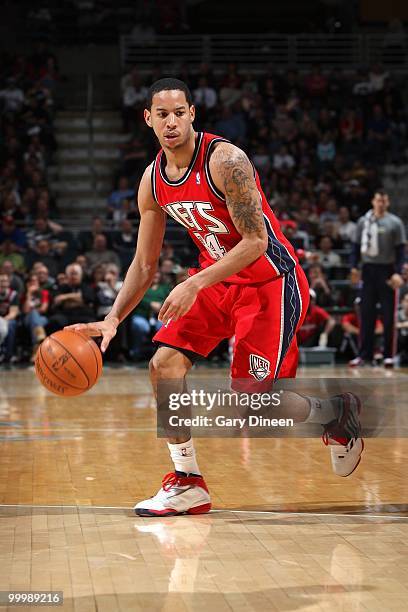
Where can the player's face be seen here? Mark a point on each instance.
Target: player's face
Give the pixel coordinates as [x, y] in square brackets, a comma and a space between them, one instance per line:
[171, 118]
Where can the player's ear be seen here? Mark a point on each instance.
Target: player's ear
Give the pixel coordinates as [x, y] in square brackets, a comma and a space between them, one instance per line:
[147, 117]
[192, 112]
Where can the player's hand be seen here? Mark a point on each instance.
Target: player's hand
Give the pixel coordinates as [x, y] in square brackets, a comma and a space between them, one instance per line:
[106, 329]
[396, 281]
[178, 302]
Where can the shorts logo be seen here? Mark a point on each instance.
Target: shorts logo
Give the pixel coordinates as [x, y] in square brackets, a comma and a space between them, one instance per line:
[259, 367]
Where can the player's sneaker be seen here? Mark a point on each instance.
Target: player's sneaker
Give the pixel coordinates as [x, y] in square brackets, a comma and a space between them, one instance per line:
[180, 494]
[388, 362]
[343, 435]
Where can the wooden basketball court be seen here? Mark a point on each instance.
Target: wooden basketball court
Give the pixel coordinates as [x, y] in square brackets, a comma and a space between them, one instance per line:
[285, 533]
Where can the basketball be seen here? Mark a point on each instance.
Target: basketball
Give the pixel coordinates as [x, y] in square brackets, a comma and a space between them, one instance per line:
[68, 363]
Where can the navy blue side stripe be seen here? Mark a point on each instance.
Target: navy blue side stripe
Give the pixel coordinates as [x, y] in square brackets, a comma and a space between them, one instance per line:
[292, 311]
[277, 253]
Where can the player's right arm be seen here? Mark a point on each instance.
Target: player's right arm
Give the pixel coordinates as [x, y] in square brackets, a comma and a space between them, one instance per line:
[142, 269]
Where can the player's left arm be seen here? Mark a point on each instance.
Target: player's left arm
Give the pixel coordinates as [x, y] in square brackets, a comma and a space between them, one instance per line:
[233, 175]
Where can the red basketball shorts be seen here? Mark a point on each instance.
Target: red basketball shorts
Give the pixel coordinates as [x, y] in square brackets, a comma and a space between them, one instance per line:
[263, 318]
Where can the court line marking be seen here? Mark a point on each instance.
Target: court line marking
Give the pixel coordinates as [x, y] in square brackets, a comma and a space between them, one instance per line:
[220, 510]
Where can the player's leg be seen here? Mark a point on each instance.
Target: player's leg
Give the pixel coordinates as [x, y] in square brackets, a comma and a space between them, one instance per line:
[266, 348]
[183, 490]
[196, 333]
[339, 416]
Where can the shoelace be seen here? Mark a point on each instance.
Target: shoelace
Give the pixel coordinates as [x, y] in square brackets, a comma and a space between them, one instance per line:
[170, 480]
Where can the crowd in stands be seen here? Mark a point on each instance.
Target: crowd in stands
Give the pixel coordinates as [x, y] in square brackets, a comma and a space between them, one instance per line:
[318, 141]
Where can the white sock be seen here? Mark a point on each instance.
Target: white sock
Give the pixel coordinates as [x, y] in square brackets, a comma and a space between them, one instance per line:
[184, 457]
[322, 411]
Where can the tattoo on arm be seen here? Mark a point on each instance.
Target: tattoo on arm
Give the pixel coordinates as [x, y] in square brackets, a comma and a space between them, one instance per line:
[241, 193]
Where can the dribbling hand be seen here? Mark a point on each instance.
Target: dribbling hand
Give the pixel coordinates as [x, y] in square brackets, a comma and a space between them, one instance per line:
[106, 329]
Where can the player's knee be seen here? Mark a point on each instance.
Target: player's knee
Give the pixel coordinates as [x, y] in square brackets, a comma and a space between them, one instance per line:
[168, 364]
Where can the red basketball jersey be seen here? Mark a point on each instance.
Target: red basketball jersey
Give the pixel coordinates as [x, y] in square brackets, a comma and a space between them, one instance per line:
[196, 203]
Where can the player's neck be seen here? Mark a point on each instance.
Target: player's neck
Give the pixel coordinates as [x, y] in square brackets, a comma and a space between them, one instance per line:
[179, 159]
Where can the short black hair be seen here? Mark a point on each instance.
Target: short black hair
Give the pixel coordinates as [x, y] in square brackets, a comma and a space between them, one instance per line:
[168, 84]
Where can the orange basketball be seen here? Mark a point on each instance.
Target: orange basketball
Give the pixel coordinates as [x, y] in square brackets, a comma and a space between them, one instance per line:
[68, 363]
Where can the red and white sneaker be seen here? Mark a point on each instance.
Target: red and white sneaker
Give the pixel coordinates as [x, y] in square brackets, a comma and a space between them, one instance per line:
[180, 494]
[343, 435]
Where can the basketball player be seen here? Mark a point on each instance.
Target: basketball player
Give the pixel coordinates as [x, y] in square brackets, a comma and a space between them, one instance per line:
[250, 286]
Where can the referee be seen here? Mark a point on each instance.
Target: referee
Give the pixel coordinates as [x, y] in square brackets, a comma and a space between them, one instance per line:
[380, 243]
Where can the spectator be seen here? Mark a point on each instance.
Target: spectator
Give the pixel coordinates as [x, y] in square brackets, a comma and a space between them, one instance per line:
[73, 301]
[351, 126]
[316, 327]
[283, 160]
[326, 149]
[318, 282]
[133, 97]
[44, 229]
[124, 243]
[11, 208]
[97, 275]
[83, 262]
[378, 133]
[144, 317]
[61, 280]
[12, 96]
[231, 125]
[168, 271]
[86, 238]
[9, 252]
[10, 232]
[45, 280]
[377, 77]
[284, 124]
[325, 256]
[16, 282]
[230, 92]
[42, 253]
[100, 254]
[326, 121]
[35, 306]
[205, 97]
[330, 213]
[133, 155]
[329, 228]
[9, 311]
[316, 83]
[298, 239]
[117, 198]
[345, 227]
